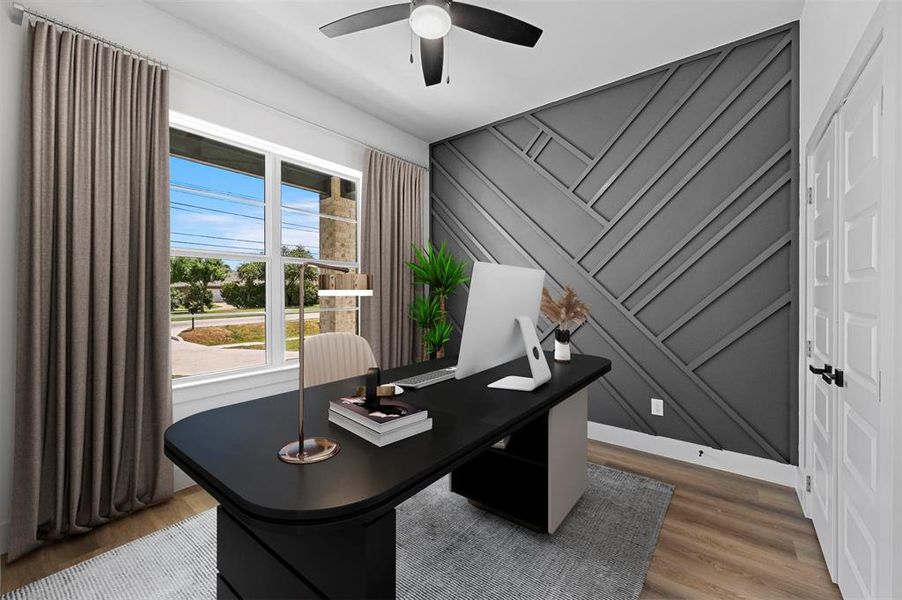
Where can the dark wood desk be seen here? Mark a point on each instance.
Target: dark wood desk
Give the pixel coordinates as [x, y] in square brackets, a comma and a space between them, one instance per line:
[328, 529]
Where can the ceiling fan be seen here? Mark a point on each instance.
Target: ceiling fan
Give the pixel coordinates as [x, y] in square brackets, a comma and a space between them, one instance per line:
[431, 20]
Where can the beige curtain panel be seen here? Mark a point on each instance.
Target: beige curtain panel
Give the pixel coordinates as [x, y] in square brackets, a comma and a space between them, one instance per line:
[92, 389]
[392, 221]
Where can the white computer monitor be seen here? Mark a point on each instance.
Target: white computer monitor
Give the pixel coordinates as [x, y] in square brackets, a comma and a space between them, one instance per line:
[499, 326]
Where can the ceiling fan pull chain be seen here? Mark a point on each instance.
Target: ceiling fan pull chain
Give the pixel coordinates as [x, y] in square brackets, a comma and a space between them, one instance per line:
[448, 72]
[411, 46]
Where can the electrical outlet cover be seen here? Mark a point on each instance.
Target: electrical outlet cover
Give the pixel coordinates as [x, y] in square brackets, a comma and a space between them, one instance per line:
[657, 407]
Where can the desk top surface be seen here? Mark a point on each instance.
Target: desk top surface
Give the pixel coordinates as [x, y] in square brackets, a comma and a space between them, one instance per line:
[232, 451]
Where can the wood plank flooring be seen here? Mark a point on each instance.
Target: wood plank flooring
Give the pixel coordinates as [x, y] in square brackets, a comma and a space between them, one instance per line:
[60, 555]
[724, 536]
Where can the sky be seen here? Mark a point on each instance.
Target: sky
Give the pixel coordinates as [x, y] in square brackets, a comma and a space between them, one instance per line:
[216, 209]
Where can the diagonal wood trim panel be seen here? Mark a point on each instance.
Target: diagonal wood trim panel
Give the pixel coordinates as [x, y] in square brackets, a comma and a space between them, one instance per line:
[669, 202]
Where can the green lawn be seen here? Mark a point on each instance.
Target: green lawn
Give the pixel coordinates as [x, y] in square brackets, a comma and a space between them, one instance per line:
[249, 334]
[293, 344]
[181, 315]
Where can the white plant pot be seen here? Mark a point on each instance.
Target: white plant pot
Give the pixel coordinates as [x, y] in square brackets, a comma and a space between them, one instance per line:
[561, 351]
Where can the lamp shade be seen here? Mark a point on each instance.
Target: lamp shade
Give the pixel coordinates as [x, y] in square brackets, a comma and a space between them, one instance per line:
[430, 21]
[345, 284]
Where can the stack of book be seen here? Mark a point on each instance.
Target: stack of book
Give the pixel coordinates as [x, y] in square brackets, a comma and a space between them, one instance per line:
[391, 421]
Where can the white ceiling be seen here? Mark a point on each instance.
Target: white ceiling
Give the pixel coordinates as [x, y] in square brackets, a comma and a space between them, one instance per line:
[586, 44]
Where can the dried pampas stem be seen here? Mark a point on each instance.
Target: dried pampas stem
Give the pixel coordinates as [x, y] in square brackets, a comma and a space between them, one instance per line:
[567, 312]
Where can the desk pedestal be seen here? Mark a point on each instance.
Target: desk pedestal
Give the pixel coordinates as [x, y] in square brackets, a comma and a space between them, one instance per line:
[539, 475]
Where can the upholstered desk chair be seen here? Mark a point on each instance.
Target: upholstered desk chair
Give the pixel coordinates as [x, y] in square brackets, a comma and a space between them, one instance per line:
[333, 356]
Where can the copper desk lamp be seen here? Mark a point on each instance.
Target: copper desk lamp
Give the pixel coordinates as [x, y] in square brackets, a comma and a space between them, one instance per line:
[310, 450]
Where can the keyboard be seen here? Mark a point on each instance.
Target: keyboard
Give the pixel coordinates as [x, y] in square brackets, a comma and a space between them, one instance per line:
[424, 379]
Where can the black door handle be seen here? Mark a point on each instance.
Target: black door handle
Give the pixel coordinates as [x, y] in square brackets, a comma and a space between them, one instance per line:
[836, 378]
[816, 371]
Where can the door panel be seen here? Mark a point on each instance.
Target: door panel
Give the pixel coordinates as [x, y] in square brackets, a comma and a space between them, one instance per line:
[861, 255]
[857, 341]
[821, 416]
[859, 556]
[822, 321]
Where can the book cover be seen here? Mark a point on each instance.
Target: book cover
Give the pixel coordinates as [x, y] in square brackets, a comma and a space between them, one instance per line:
[380, 439]
[390, 414]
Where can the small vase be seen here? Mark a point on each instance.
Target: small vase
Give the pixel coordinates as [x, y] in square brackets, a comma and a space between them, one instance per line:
[562, 345]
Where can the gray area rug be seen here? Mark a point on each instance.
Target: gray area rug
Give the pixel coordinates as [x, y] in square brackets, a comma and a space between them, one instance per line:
[446, 549]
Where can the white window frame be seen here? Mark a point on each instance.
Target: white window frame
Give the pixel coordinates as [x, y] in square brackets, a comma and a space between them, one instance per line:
[277, 370]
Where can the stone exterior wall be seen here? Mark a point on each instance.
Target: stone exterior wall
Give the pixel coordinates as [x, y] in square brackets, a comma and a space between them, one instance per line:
[337, 241]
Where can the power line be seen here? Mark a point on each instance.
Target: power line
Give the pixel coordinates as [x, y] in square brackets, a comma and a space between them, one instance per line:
[215, 246]
[199, 210]
[215, 210]
[216, 237]
[199, 190]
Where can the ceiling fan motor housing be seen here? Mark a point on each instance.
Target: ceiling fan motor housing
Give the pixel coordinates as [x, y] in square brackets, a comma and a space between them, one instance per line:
[445, 4]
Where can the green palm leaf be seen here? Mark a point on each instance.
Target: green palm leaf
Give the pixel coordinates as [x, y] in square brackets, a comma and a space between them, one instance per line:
[425, 311]
[438, 269]
[439, 335]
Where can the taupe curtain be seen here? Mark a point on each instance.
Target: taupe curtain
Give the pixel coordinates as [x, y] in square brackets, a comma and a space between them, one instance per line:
[392, 221]
[92, 389]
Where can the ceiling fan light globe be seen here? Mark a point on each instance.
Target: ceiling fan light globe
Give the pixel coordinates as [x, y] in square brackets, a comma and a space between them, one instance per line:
[430, 22]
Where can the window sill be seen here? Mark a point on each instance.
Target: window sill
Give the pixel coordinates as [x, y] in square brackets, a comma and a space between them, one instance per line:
[189, 397]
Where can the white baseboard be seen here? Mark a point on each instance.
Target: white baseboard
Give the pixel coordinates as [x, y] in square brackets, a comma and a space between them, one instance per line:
[723, 460]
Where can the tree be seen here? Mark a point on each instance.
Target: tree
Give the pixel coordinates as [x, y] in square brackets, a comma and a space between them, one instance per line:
[176, 298]
[197, 274]
[197, 300]
[250, 290]
[292, 273]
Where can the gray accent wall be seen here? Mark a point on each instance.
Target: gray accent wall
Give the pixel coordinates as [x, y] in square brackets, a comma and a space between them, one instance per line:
[669, 202]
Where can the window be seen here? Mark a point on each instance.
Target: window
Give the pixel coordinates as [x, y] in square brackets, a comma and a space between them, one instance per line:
[242, 219]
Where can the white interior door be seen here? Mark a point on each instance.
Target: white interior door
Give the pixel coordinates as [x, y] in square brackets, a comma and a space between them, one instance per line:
[822, 323]
[859, 329]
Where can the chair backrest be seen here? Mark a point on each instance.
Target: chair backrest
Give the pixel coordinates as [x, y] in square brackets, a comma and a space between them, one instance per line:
[333, 356]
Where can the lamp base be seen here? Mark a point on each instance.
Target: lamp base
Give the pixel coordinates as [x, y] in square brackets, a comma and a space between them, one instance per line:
[315, 450]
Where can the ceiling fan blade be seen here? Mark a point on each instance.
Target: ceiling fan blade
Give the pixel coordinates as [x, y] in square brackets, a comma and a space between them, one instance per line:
[494, 24]
[432, 55]
[367, 20]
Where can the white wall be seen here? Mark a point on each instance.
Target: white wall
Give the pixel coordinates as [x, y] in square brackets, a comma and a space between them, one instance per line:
[10, 71]
[139, 25]
[210, 80]
[829, 31]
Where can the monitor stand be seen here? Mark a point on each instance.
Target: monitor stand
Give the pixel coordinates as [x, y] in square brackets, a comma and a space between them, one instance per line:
[537, 363]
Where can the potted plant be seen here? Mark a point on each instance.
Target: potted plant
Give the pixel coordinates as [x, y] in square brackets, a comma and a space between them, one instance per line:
[442, 273]
[567, 313]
